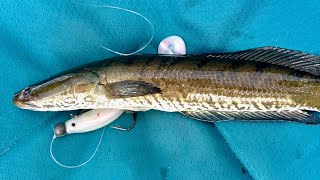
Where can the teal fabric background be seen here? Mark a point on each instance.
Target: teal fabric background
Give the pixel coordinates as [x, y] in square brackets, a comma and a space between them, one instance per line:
[40, 38]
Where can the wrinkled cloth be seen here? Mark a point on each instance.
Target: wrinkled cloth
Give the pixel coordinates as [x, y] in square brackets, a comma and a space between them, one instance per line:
[42, 38]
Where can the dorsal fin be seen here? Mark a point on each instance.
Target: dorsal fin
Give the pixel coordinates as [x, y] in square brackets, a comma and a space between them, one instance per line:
[279, 56]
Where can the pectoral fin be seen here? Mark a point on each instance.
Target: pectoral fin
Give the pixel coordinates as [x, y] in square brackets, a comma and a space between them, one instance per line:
[128, 88]
[293, 59]
[294, 116]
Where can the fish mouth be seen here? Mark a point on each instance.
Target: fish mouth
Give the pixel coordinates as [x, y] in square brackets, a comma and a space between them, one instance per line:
[22, 102]
[23, 98]
[18, 101]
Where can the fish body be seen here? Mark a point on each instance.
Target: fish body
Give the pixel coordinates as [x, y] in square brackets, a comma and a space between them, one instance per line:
[192, 84]
[260, 83]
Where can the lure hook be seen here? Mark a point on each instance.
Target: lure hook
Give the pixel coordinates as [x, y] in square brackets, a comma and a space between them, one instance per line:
[129, 128]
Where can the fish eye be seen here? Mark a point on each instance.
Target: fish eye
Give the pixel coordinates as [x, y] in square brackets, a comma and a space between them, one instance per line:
[26, 93]
[73, 124]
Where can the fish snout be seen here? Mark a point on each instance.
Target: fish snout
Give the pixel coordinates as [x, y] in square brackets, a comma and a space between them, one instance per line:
[21, 98]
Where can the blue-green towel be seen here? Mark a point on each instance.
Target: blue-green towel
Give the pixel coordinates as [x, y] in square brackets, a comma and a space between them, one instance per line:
[40, 38]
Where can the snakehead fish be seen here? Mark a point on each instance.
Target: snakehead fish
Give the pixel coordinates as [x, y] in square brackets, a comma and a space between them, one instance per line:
[265, 83]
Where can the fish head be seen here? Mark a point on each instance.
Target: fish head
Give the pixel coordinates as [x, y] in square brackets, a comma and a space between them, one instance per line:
[66, 92]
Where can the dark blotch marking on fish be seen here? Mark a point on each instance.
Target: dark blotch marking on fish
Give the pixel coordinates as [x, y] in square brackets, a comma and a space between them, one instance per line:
[202, 63]
[297, 74]
[260, 67]
[237, 64]
[149, 60]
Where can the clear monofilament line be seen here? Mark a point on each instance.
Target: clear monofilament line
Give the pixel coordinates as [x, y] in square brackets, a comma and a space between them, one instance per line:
[132, 12]
[76, 166]
[4, 151]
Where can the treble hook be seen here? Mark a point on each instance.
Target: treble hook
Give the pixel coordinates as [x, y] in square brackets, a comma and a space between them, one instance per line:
[129, 128]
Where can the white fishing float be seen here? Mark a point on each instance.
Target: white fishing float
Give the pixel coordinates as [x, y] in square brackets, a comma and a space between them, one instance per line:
[172, 45]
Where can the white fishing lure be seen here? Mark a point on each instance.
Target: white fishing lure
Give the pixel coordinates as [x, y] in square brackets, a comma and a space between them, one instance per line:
[88, 121]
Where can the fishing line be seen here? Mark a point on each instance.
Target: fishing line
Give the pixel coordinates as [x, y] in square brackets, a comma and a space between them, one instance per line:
[129, 11]
[4, 151]
[79, 165]
[31, 130]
